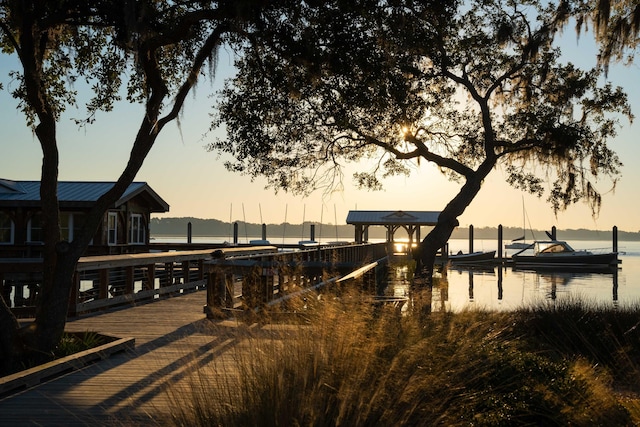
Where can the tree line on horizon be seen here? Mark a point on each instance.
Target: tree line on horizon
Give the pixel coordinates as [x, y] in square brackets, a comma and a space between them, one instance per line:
[215, 227]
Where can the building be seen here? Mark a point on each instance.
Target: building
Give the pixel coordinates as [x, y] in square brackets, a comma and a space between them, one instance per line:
[124, 229]
[410, 221]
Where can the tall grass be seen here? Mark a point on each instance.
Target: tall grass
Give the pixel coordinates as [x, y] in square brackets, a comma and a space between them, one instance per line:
[357, 364]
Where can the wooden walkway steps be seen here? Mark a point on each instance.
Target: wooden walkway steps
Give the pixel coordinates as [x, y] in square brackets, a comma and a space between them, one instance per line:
[172, 337]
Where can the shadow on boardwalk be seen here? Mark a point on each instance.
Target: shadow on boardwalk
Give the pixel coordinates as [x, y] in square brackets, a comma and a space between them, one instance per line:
[172, 339]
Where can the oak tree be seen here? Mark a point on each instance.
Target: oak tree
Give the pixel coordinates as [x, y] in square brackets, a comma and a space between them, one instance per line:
[616, 26]
[467, 86]
[157, 50]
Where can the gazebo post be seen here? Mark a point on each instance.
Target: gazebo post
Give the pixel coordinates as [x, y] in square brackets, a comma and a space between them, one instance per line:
[411, 221]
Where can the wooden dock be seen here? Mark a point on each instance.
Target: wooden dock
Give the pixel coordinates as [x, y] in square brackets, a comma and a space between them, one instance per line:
[171, 337]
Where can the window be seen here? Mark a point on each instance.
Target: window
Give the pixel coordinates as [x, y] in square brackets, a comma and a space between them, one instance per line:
[35, 233]
[112, 228]
[6, 229]
[137, 229]
[66, 226]
[76, 224]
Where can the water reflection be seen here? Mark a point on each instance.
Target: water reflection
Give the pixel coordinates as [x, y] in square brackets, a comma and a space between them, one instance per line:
[516, 288]
[506, 288]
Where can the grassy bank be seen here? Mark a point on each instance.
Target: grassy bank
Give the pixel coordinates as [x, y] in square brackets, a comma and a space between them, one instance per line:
[349, 362]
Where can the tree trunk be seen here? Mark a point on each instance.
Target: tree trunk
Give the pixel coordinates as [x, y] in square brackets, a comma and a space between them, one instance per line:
[45, 332]
[448, 221]
[60, 257]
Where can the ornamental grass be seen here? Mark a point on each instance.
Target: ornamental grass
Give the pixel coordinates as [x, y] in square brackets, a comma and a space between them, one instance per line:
[342, 361]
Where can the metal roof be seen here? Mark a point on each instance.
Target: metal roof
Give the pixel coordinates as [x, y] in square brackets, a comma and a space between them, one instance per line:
[393, 217]
[81, 193]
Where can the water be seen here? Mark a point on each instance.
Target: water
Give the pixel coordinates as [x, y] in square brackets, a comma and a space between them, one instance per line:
[503, 288]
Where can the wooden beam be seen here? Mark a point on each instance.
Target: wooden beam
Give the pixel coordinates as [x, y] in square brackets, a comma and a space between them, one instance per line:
[126, 260]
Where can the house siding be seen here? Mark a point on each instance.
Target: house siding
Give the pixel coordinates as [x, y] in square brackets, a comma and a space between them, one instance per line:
[17, 201]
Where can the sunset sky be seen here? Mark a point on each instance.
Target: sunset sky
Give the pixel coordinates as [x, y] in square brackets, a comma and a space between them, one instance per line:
[195, 183]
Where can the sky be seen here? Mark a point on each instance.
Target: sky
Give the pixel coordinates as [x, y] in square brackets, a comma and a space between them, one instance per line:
[195, 183]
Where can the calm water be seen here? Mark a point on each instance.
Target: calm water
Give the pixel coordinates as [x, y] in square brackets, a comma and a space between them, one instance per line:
[503, 288]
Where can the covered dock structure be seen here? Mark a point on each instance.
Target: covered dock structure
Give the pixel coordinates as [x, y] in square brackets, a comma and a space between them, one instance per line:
[410, 221]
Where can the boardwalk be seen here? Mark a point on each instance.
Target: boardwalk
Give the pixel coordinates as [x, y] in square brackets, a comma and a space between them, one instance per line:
[171, 336]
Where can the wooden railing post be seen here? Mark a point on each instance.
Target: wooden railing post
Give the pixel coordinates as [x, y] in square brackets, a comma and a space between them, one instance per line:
[168, 277]
[252, 289]
[185, 271]
[151, 277]
[216, 292]
[228, 288]
[129, 279]
[103, 289]
[73, 297]
[266, 279]
[200, 269]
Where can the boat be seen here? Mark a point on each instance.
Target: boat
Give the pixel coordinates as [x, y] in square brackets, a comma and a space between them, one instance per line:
[259, 242]
[472, 257]
[306, 244]
[520, 243]
[515, 244]
[558, 253]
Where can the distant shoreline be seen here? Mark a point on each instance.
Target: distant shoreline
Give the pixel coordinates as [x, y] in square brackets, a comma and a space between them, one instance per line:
[177, 227]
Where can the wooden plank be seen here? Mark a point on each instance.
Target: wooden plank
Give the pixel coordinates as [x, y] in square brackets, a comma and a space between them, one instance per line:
[34, 376]
[126, 260]
[125, 388]
[244, 251]
[359, 272]
[133, 297]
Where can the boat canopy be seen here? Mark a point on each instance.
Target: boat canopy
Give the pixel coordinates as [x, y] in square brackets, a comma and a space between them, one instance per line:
[553, 247]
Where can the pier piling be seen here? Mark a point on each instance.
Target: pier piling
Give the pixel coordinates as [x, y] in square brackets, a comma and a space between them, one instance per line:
[500, 243]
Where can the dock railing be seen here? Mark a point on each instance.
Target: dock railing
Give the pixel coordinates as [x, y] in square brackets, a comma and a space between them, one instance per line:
[106, 281]
[240, 281]
[233, 275]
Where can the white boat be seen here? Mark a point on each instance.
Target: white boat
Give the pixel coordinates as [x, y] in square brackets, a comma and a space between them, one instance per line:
[557, 253]
[518, 245]
[304, 244]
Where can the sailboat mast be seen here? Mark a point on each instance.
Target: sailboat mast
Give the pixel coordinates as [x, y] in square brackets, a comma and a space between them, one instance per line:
[524, 223]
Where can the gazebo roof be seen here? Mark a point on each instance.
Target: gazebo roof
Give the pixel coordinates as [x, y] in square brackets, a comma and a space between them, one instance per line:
[393, 217]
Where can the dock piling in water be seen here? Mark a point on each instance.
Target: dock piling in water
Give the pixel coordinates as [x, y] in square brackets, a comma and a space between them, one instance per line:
[500, 242]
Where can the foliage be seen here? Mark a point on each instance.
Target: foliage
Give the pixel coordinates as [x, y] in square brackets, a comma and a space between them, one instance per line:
[616, 25]
[353, 364]
[465, 86]
[95, 46]
[452, 87]
[158, 49]
[605, 336]
[72, 343]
